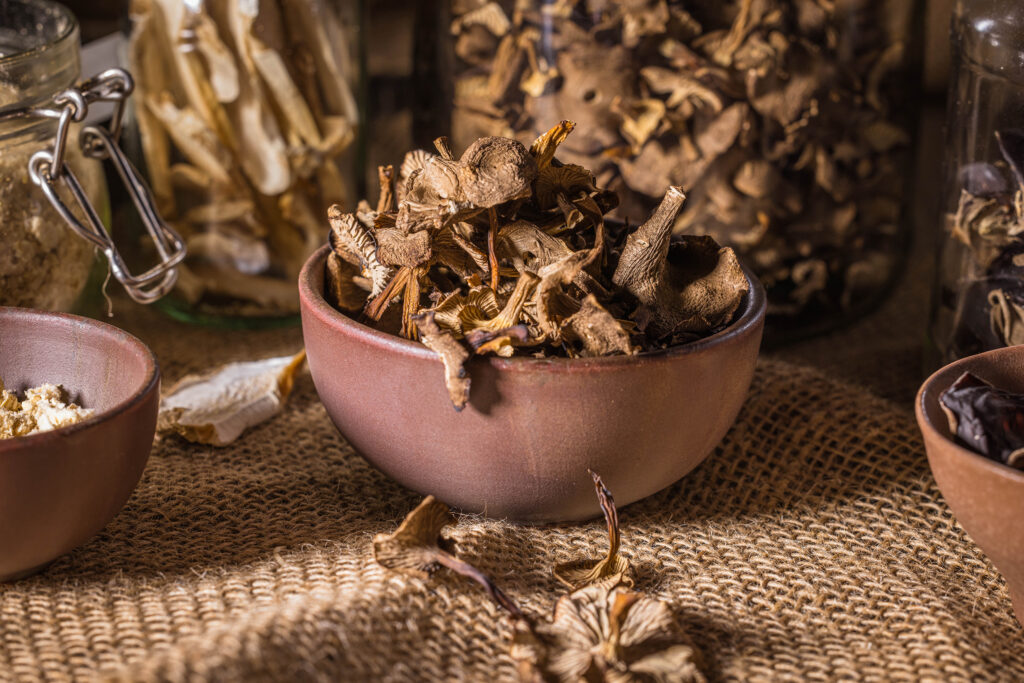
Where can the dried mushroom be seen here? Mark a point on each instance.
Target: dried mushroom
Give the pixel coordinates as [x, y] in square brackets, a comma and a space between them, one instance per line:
[987, 310]
[774, 115]
[608, 633]
[245, 112]
[417, 547]
[986, 419]
[613, 568]
[505, 251]
[216, 407]
[603, 631]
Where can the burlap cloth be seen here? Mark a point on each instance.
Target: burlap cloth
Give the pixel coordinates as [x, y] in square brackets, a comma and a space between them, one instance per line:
[812, 545]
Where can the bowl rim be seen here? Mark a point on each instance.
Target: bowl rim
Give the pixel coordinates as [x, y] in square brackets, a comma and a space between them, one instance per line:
[753, 309]
[950, 372]
[148, 385]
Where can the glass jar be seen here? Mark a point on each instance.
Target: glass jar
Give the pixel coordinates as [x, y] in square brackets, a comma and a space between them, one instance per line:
[42, 263]
[979, 297]
[249, 123]
[787, 123]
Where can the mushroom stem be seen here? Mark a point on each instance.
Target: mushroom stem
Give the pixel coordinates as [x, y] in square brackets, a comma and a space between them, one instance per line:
[376, 307]
[643, 261]
[492, 256]
[470, 572]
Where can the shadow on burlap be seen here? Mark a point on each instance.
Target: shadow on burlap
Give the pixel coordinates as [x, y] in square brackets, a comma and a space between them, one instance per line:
[811, 545]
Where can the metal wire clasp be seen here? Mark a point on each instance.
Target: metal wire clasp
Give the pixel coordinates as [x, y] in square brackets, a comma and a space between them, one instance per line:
[49, 170]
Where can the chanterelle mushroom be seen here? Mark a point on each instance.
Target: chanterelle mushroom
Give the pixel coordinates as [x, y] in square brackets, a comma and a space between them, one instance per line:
[696, 294]
[613, 568]
[610, 633]
[417, 547]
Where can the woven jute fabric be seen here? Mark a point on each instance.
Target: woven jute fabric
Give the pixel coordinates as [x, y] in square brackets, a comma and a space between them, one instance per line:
[812, 545]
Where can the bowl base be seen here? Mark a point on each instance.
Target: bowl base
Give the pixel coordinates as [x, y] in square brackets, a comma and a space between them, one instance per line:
[25, 573]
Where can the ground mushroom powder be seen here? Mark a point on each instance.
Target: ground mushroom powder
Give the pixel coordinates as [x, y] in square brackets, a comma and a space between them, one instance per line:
[45, 407]
[43, 264]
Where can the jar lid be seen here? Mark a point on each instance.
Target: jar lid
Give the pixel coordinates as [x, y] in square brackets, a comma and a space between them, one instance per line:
[39, 52]
[991, 34]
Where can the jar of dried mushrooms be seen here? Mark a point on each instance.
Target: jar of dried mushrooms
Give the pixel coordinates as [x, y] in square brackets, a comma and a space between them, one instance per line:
[248, 122]
[785, 121]
[43, 264]
[979, 303]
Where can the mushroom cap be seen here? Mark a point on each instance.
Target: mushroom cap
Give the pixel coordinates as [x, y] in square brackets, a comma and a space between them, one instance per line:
[496, 170]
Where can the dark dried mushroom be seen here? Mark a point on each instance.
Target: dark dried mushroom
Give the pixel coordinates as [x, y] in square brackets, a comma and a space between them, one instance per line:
[696, 292]
[986, 419]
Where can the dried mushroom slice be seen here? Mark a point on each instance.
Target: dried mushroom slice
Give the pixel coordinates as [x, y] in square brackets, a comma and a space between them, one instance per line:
[452, 353]
[613, 568]
[216, 407]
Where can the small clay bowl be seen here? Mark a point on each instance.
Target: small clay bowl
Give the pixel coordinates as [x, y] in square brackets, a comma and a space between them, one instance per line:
[522, 447]
[987, 497]
[58, 488]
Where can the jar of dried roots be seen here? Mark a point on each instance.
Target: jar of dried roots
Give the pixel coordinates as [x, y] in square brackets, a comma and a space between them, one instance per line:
[249, 122]
[787, 123]
[979, 297]
[43, 264]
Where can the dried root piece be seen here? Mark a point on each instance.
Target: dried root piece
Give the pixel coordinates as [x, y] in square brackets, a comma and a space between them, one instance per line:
[417, 547]
[452, 353]
[216, 407]
[612, 569]
[245, 111]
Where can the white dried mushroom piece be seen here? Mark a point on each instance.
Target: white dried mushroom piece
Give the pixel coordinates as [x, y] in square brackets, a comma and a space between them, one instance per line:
[217, 406]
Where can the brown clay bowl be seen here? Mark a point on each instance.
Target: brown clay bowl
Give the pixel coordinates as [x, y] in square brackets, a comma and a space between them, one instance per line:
[522, 447]
[58, 488]
[986, 496]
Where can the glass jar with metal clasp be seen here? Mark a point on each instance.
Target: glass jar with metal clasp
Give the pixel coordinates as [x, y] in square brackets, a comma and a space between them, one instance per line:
[53, 198]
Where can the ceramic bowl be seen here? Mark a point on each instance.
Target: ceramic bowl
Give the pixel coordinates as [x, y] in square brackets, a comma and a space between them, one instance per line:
[58, 488]
[986, 496]
[522, 447]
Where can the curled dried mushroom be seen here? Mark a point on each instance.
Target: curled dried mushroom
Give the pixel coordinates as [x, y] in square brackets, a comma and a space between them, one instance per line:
[505, 251]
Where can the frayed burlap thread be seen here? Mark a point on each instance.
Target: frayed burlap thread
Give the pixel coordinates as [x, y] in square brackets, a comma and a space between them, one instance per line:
[812, 545]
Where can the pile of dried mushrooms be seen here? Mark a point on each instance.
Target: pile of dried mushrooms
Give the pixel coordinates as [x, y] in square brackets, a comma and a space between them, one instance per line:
[773, 114]
[245, 111]
[505, 250]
